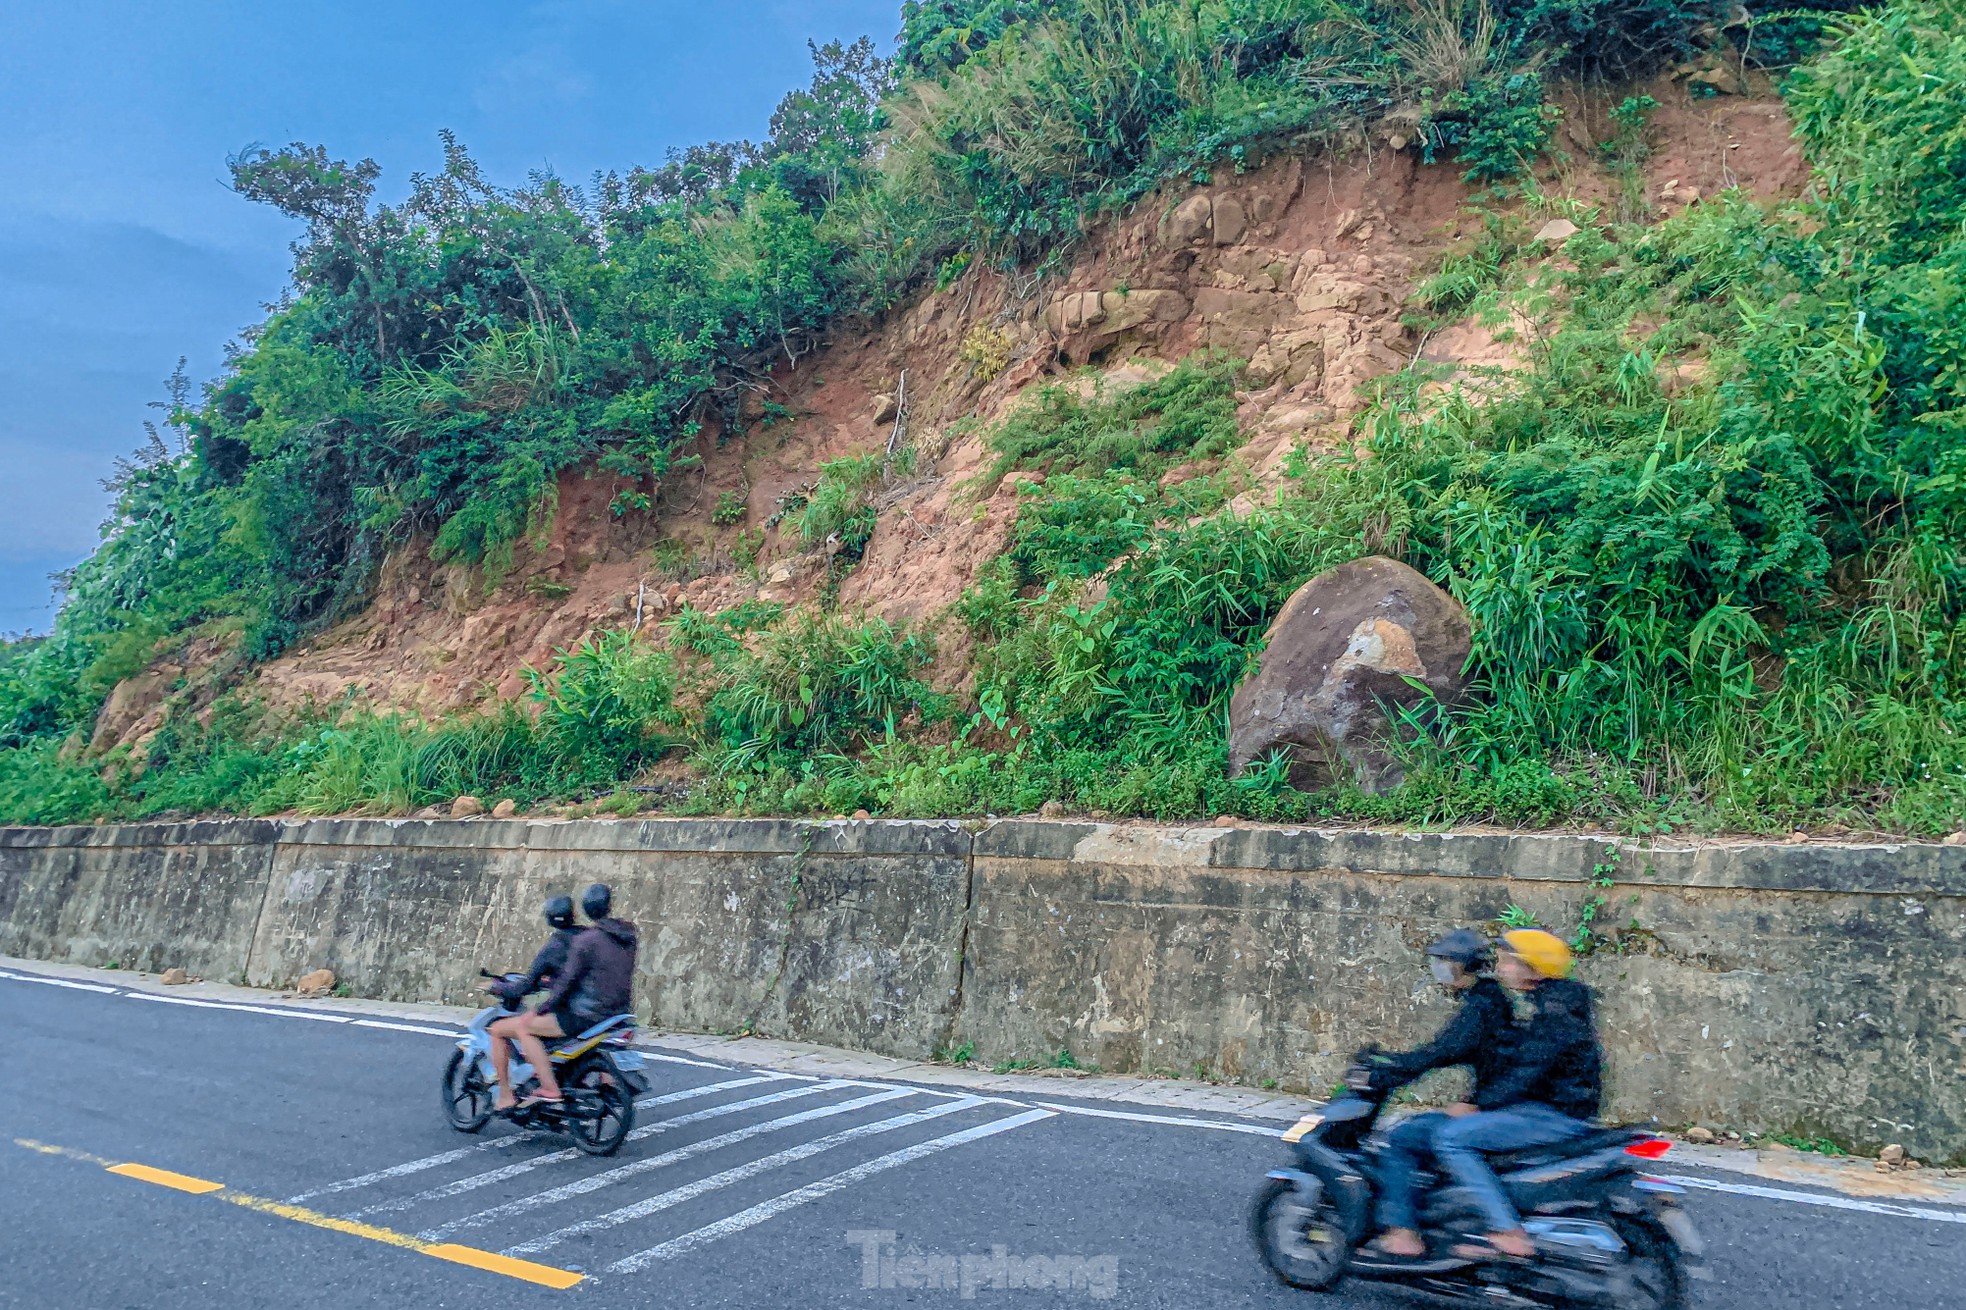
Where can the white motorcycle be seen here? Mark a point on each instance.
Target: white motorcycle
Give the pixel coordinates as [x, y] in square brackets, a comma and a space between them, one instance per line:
[599, 1074]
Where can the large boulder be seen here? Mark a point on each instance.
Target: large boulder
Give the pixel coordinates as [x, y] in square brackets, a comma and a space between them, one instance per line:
[1342, 649]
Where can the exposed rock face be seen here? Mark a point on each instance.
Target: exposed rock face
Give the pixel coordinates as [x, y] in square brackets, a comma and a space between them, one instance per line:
[1087, 322]
[1347, 641]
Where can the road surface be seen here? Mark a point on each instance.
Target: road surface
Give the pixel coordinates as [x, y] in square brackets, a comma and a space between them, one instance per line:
[165, 1153]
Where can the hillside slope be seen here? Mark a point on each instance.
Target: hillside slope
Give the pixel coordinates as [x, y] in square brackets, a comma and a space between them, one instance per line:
[951, 451]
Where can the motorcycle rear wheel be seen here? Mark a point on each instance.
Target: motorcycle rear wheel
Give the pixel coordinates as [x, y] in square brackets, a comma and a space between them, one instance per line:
[605, 1134]
[1305, 1246]
[1656, 1280]
[468, 1099]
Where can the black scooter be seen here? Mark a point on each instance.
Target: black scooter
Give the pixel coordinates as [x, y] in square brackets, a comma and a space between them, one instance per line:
[1605, 1233]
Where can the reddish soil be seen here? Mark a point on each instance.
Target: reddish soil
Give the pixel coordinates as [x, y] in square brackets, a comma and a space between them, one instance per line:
[1302, 266]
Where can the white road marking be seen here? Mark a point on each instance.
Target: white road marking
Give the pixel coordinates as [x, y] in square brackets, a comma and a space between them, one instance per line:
[1223, 1124]
[1813, 1198]
[501, 1143]
[778, 1205]
[58, 982]
[608, 1177]
[647, 1054]
[402, 1027]
[475, 1181]
[690, 1191]
[246, 1009]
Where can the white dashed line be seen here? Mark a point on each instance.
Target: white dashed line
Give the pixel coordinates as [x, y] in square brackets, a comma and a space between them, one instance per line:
[778, 1205]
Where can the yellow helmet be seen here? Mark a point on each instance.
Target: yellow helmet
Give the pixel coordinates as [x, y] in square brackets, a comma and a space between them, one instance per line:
[1545, 952]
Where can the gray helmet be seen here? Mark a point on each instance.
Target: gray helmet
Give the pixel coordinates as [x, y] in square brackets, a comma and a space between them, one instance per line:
[559, 911]
[1463, 946]
[596, 901]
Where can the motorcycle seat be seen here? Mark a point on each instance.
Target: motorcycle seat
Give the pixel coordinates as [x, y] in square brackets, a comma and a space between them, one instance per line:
[1598, 1139]
[568, 1046]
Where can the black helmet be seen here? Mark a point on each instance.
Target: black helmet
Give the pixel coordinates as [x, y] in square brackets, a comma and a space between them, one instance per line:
[1463, 946]
[559, 911]
[596, 901]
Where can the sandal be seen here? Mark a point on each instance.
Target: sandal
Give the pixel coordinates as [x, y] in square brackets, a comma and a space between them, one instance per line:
[537, 1099]
[1481, 1250]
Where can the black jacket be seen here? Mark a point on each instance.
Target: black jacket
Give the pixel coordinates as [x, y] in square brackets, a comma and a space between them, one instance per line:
[547, 964]
[599, 979]
[1553, 1057]
[1476, 1035]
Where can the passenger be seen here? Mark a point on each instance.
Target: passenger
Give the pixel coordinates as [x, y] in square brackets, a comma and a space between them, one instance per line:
[1474, 1036]
[1548, 1091]
[597, 983]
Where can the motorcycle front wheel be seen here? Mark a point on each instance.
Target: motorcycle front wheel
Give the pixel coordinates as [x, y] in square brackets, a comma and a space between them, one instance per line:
[1302, 1239]
[468, 1098]
[595, 1088]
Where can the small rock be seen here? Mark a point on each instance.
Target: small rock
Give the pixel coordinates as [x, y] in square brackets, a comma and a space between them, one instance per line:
[862, 814]
[783, 573]
[1912, 1164]
[1892, 1154]
[318, 983]
[1557, 230]
[1797, 838]
[431, 812]
[1700, 1136]
[1956, 839]
[885, 408]
[1225, 820]
[1052, 810]
[465, 807]
[505, 809]
[1014, 482]
[174, 978]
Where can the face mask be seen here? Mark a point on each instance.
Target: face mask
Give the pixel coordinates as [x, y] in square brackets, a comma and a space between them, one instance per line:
[1444, 972]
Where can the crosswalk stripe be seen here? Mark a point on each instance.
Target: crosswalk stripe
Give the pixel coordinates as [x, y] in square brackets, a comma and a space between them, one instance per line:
[606, 1178]
[737, 1174]
[503, 1143]
[489, 1177]
[778, 1205]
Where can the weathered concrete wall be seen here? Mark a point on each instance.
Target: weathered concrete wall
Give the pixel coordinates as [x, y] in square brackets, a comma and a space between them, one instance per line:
[1811, 987]
[1815, 988]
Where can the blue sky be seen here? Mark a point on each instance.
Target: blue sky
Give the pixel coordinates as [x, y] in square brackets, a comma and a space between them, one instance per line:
[121, 249]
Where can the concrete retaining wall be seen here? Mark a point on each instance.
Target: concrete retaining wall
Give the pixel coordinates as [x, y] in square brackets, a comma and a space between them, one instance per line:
[1810, 988]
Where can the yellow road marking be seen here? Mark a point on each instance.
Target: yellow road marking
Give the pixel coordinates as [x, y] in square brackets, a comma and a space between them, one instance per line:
[489, 1261]
[504, 1264]
[165, 1178]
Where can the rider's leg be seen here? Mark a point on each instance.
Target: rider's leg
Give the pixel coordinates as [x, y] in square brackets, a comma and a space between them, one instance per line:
[501, 1033]
[533, 1027]
[1399, 1163]
[1459, 1146]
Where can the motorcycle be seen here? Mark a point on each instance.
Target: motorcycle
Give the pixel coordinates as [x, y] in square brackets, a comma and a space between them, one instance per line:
[599, 1076]
[1605, 1233]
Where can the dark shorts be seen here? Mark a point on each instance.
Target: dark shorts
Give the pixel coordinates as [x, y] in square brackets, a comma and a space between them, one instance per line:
[572, 1022]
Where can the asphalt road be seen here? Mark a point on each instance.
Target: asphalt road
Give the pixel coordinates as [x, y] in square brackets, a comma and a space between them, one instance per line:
[306, 1163]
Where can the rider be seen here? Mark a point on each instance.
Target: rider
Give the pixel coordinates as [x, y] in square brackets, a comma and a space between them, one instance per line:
[1473, 1036]
[595, 984]
[1548, 1091]
[552, 956]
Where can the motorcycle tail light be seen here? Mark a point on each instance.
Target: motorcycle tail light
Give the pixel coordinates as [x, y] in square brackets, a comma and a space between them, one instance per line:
[1652, 1148]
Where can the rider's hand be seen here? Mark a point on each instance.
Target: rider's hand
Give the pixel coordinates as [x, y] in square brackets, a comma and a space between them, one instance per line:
[1461, 1110]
